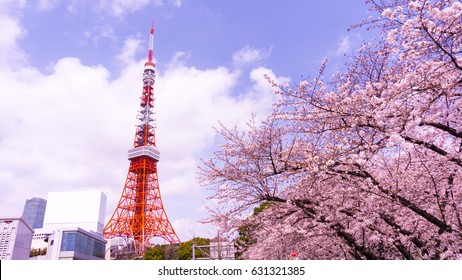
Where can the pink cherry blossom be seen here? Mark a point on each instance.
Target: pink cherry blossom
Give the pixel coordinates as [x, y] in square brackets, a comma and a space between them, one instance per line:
[364, 165]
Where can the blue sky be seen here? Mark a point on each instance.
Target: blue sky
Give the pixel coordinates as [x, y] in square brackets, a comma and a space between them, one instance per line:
[295, 34]
[70, 80]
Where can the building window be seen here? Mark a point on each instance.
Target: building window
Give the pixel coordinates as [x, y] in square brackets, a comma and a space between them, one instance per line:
[81, 243]
[68, 241]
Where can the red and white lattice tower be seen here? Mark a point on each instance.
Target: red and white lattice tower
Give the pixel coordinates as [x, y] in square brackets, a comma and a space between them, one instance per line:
[140, 214]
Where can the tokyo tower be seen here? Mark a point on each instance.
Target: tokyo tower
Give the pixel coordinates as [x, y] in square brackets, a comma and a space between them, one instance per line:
[140, 214]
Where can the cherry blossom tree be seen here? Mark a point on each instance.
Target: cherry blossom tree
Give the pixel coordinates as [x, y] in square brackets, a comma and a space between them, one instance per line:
[364, 165]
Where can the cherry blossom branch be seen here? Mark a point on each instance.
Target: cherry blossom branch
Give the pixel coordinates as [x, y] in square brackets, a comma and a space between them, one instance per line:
[434, 148]
[454, 132]
[396, 197]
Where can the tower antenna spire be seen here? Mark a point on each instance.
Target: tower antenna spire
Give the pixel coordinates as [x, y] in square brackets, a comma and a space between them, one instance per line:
[151, 42]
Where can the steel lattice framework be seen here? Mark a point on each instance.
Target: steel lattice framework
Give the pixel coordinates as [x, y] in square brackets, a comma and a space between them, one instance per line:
[140, 214]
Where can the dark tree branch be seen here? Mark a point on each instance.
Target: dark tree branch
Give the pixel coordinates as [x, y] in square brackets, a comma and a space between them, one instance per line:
[443, 127]
[434, 148]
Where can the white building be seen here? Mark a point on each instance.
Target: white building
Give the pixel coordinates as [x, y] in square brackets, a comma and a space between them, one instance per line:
[81, 212]
[15, 239]
[83, 209]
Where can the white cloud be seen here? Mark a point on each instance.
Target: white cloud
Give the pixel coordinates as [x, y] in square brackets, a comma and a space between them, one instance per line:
[130, 49]
[344, 46]
[176, 3]
[7, 5]
[178, 60]
[73, 6]
[58, 130]
[47, 5]
[248, 55]
[190, 102]
[119, 8]
[11, 33]
[347, 44]
[262, 85]
[98, 33]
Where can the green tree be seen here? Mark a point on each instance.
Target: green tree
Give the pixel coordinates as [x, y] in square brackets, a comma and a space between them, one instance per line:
[245, 238]
[185, 250]
[38, 252]
[155, 253]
